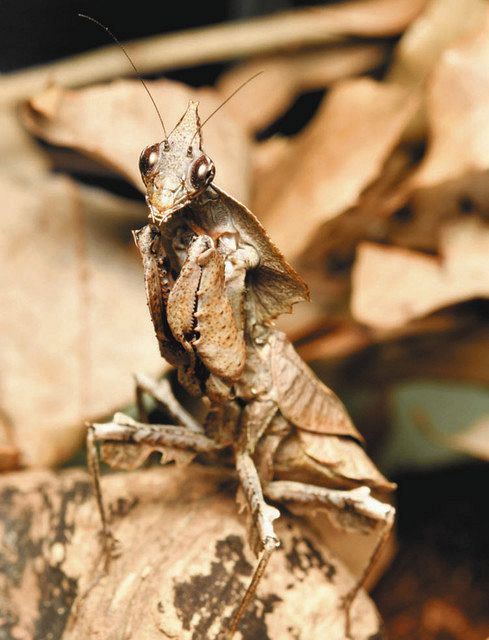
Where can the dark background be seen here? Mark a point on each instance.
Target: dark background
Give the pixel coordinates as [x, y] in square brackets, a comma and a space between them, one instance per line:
[36, 31]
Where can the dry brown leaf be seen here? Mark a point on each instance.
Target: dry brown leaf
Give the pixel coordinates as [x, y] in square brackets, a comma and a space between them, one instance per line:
[9, 456]
[452, 179]
[285, 76]
[458, 112]
[441, 24]
[182, 567]
[113, 123]
[426, 199]
[322, 172]
[450, 182]
[327, 262]
[392, 286]
[335, 241]
[74, 320]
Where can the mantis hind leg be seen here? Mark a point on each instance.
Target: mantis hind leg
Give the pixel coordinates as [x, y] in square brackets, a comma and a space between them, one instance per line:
[355, 509]
[268, 548]
[349, 598]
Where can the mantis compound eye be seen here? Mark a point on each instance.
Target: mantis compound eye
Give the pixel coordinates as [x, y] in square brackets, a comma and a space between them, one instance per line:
[202, 172]
[148, 159]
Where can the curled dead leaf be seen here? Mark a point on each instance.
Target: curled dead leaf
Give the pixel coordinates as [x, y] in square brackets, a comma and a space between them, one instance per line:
[451, 181]
[458, 111]
[113, 123]
[392, 286]
[322, 171]
[287, 75]
[440, 25]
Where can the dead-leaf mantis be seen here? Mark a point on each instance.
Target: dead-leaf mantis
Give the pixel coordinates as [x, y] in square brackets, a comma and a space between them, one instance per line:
[215, 283]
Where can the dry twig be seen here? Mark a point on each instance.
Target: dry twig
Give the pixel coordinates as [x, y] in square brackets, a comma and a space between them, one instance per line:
[287, 31]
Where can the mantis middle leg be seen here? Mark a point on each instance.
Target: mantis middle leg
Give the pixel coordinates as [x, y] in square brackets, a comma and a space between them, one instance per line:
[124, 431]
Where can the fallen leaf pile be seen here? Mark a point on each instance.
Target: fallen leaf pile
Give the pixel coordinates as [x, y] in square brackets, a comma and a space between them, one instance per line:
[380, 201]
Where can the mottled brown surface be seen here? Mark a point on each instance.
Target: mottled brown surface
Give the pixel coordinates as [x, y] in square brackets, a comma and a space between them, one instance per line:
[182, 566]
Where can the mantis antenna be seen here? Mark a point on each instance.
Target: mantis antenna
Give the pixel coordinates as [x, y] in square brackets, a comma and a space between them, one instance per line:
[213, 113]
[116, 40]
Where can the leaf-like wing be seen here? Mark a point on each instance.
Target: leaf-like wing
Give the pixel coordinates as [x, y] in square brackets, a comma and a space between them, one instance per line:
[346, 457]
[302, 398]
[331, 461]
[273, 284]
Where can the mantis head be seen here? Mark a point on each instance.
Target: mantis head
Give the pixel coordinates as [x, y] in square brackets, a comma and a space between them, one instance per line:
[176, 170]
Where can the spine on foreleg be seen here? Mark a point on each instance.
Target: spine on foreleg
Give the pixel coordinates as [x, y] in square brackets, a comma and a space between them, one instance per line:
[220, 344]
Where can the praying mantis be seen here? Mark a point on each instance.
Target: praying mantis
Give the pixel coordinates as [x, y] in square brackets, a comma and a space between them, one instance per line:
[215, 283]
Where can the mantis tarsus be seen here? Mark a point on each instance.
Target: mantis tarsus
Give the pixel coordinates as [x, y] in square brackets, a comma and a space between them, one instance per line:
[215, 283]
